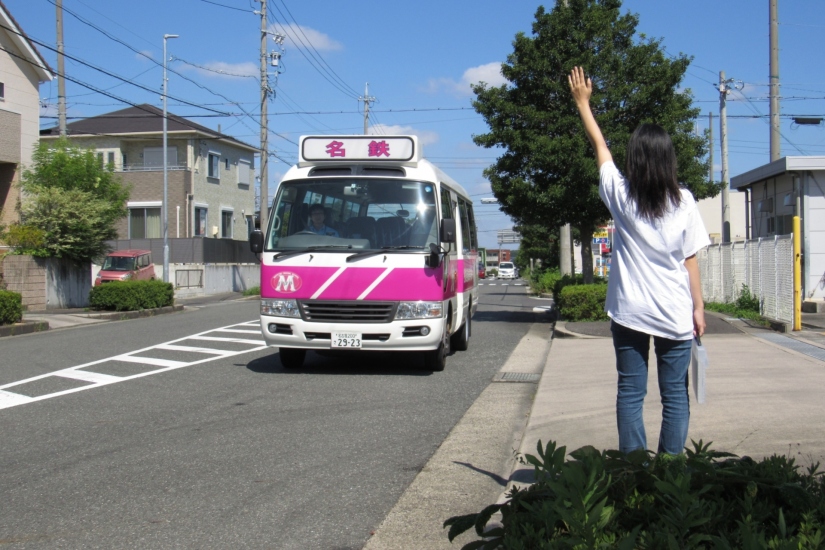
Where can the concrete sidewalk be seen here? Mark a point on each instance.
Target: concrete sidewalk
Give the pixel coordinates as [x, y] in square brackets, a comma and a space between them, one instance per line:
[764, 393]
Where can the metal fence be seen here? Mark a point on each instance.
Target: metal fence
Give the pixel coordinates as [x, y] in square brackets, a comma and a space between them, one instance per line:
[195, 250]
[764, 265]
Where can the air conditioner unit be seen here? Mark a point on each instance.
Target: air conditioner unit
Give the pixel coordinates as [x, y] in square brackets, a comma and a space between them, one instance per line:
[765, 205]
[790, 200]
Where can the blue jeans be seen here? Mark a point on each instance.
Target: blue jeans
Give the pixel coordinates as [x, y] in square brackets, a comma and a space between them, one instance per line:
[672, 361]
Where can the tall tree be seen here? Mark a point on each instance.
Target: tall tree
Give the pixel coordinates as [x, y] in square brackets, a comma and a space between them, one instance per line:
[71, 202]
[546, 174]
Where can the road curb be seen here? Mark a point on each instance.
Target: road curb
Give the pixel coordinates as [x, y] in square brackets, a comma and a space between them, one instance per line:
[124, 315]
[23, 327]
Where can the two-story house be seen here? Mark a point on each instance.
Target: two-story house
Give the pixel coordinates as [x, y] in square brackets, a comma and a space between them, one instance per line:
[210, 176]
[22, 69]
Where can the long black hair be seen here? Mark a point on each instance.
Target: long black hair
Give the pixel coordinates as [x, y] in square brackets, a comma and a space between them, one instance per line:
[651, 172]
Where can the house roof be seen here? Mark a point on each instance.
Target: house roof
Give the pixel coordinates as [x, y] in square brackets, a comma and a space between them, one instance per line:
[140, 119]
[776, 168]
[26, 47]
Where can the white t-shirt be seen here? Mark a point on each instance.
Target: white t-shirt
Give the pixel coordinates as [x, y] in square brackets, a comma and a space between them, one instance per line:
[648, 289]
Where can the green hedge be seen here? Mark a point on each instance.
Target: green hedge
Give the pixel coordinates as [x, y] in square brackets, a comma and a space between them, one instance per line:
[582, 302]
[11, 307]
[699, 499]
[132, 295]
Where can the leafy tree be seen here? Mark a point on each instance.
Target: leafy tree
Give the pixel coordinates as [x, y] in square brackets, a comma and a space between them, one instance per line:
[546, 174]
[70, 204]
[538, 242]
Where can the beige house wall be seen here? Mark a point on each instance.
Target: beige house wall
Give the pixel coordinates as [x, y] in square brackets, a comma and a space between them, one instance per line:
[20, 114]
[711, 212]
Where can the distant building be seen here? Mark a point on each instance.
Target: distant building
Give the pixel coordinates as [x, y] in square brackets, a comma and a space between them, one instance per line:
[495, 256]
[211, 177]
[711, 212]
[22, 69]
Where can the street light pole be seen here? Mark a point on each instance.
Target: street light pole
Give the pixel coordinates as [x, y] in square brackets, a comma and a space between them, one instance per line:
[165, 209]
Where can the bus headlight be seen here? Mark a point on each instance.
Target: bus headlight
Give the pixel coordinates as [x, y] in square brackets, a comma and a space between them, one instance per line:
[419, 310]
[280, 308]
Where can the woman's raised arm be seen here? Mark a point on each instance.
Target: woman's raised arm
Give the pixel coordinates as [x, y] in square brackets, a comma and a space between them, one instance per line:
[582, 89]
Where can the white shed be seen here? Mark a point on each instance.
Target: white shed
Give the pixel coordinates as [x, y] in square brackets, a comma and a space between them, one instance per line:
[780, 190]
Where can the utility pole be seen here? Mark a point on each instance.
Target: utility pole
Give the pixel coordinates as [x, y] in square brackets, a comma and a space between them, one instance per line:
[61, 82]
[774, 81]
[565, 250]
[264, 208]
[367, 99]
[724, 87]
[710, 148]
[165, 209]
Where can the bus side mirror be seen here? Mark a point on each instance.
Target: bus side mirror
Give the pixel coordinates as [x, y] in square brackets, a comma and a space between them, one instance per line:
[448, 230]
[256, 241]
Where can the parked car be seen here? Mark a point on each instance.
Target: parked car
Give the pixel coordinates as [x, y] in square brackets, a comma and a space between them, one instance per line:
[126, 265]
[482, 271]
[507, 270]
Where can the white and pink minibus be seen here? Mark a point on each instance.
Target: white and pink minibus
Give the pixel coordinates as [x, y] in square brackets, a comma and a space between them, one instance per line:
[368, 247]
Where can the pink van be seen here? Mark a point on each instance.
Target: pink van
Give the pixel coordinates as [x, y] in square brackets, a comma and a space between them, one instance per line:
[126, 265]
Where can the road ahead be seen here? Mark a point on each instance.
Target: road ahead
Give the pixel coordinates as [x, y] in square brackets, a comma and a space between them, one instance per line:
[219, 446]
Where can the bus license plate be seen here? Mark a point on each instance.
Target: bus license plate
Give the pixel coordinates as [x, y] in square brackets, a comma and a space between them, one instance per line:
[346, 339]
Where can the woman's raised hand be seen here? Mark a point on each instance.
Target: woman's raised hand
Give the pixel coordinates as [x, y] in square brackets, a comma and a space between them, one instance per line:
[580, 87]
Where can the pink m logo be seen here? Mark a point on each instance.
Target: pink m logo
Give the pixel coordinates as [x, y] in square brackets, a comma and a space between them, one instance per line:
[286, 282]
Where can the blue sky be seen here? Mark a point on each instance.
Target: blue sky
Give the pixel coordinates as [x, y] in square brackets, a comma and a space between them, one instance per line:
[419, 59]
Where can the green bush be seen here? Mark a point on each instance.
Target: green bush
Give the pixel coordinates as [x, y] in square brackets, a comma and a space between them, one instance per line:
[699, 499]
[132, 295]
[252, 291]
[11, 307]
[542, 282]
[568, 280]
[582, 302]
[746, 306]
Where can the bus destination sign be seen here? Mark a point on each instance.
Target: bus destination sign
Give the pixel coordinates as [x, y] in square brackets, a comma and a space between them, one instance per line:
[358, 148]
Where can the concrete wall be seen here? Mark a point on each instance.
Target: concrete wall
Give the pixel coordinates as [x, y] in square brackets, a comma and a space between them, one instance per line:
[711, 212]
[813, 232]
[47, 283]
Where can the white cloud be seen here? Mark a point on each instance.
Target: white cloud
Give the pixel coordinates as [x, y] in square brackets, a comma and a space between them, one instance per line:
[299, 36]
[489, 74]
[424, 137]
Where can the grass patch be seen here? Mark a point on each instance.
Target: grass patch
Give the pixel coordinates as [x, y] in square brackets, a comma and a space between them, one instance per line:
[252, 291]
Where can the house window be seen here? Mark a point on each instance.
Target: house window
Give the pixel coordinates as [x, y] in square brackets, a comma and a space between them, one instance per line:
[214, 167]
[153, 157]
[226, 163]
[226, 224]
[200, 221]
[2, 92]
[244, 171]
[106, 159]
[144, 223]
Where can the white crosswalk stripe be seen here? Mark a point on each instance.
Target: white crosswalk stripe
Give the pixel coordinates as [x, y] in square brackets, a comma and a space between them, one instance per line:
[10, 398]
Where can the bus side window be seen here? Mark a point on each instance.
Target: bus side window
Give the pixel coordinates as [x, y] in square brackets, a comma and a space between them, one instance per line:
[473, 230]
[465, 226]
[446, 205]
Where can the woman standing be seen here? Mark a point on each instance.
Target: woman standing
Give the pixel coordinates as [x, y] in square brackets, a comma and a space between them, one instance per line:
[654, 288]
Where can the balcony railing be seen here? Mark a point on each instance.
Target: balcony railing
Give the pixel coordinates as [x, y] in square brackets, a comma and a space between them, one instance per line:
[152, 167]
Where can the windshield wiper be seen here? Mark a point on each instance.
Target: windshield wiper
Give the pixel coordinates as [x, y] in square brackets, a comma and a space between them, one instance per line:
[368, 253]
[290, 253]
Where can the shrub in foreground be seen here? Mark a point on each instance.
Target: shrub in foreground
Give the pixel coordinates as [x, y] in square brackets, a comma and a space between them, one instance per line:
[582, 302]
[699, 499]
[11, 307]
[132, 295]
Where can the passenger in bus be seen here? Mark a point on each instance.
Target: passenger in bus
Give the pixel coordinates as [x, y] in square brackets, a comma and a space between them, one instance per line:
[316, 222]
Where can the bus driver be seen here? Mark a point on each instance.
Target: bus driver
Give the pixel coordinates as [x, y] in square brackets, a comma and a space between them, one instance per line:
[317, 225]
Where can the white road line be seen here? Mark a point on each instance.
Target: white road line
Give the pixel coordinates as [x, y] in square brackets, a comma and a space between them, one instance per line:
[241, 331]
[167, 363]
[213, 351]
[87, 376]
[9, 399]
[235, 340]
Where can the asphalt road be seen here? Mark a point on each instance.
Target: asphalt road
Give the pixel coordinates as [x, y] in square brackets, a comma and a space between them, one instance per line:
[221, 447]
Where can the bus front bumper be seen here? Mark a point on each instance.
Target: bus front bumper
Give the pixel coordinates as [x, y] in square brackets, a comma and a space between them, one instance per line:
[408, 335]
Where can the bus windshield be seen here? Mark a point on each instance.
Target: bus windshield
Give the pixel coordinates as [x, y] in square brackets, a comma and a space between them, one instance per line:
[353, 213]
